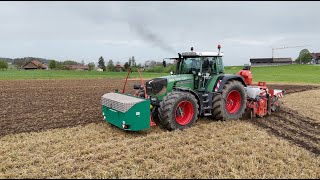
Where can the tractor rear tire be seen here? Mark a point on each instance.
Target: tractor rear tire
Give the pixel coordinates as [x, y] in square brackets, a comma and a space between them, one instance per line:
[231, 104]
[178, 110]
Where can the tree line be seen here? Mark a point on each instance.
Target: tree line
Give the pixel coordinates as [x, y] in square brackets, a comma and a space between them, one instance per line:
[64, 65]
[112, 67]
[152, 66]
[19, 62]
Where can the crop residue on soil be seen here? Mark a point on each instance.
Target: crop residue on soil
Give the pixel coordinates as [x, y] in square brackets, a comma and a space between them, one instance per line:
[209, 149]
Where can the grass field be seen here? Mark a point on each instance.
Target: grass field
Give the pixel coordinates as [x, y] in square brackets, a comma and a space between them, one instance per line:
[289, 73]
[67, 74]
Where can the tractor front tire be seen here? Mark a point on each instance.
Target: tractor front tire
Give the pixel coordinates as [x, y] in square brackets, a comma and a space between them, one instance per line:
[231, 104]
[178, 110]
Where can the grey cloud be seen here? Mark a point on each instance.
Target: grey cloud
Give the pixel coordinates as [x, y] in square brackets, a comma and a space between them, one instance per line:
[243, 28]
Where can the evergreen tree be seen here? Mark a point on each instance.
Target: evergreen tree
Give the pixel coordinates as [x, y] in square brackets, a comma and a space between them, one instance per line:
[130, 61]
[126, 65]
[101, 64]
[133, 62]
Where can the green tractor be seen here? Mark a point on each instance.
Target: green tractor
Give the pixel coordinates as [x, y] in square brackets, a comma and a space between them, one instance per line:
[198, 87]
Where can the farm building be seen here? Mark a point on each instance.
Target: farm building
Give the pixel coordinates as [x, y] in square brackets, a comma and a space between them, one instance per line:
[270, 61]
[315, 58]
[118, 68]
[34, 64]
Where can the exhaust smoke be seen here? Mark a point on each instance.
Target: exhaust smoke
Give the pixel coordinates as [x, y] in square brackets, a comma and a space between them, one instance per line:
[151, 37]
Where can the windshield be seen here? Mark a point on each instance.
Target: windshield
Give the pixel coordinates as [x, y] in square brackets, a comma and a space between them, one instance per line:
[190, 65]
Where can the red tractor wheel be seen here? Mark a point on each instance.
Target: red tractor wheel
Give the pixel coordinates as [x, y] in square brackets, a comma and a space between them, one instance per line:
[233, 101]
[178, 110]
[184, 112]
[231, 104]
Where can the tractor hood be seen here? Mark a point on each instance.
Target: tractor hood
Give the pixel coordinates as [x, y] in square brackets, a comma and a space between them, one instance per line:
[159, 87]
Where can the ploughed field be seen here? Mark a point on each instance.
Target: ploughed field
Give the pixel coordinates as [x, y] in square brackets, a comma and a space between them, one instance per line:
[36, 105]
[41, 136]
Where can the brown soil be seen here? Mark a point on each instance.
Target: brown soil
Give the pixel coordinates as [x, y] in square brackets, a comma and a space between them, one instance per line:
[37, 105]
[289, 88]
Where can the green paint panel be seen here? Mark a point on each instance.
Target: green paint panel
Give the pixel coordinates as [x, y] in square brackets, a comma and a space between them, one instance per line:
[136, 118]
[185, 80]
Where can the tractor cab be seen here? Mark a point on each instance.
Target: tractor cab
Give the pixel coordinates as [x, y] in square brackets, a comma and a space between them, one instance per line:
[201, 64]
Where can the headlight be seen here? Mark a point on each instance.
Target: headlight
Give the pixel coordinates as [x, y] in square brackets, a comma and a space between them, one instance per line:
[157, 86]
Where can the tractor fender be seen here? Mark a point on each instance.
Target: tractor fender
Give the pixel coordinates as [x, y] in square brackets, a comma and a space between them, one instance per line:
[222, 80]
[189, 91]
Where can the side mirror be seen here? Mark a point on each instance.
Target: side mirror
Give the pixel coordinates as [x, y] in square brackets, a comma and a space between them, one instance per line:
[172, 72]
[164, 63]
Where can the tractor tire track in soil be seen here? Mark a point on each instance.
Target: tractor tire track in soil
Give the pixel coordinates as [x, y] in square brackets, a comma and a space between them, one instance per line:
[288, 124]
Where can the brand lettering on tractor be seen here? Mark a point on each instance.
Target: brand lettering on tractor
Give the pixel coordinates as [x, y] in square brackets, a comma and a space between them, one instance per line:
[178, 79]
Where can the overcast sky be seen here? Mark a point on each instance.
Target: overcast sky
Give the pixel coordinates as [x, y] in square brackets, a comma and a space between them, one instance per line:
[156, 30]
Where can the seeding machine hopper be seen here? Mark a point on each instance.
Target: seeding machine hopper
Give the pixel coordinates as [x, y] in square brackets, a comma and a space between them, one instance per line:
[198, 87]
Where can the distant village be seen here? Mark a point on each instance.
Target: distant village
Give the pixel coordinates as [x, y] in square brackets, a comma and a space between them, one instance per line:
[32, 63]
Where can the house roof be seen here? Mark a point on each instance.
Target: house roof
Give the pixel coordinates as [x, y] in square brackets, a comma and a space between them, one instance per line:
[270, 60]
[36, 63]
[315, 55]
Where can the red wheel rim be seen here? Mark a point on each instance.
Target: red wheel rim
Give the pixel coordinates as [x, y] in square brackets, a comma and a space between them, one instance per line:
[184, 113]
[233, 101]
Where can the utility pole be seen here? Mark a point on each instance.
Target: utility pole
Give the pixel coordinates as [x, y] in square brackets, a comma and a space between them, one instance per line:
[285, 47]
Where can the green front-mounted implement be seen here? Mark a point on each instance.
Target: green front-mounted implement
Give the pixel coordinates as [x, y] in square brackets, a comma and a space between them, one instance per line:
[126, 112]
